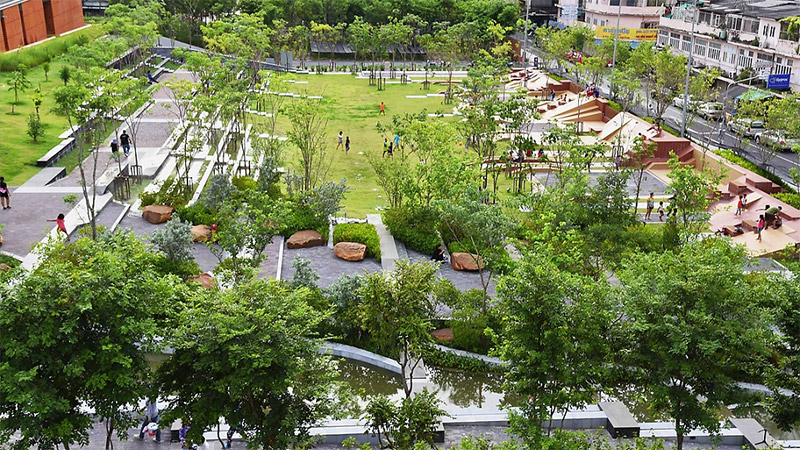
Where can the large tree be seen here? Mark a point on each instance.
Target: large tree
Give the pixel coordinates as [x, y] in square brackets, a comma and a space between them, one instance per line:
[249, 354]
[73, 335]
[692, 330]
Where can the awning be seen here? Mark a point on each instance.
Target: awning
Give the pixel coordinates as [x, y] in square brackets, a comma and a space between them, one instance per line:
[753, 95]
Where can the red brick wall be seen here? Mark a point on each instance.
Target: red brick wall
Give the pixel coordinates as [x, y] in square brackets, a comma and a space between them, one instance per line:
[67, 15]
[12, 28]
[33, 18]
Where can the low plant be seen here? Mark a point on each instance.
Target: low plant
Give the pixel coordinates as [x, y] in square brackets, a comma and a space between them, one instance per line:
[197, 214]
[171, 193]
[415, 228]
[363, 233]
[174, 240]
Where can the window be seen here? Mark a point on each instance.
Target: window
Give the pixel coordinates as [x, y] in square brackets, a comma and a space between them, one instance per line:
[782, 66]
[700, 47]
[714, 51]
[614, 2]
[734, 23]
[663, 38]
[594, 21]
[750, 26]
[772, 31]
[745, 58]
[686, 44]
[674, 40]
[650, 25]
[655, 2]
[602, 23]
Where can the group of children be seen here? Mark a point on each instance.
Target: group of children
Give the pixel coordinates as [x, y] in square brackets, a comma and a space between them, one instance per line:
[651, 203]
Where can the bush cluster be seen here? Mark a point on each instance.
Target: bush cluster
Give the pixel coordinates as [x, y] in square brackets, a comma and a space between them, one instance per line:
[171, 193]
[363, 233]
[415, 228]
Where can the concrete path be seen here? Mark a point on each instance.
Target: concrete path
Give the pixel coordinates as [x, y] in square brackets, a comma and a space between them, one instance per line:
[389, 254]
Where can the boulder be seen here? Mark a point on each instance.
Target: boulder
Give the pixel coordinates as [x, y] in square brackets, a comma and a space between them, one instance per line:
[350, 251]
[466, 261]
[443, 334]
[205, 280]
[4, 267]
[304, 239]
[201, 233]
[157, 213]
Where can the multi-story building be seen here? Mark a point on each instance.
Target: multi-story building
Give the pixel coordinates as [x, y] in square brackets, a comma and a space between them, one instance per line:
[632, 14]
[24, 22]
[736, 36]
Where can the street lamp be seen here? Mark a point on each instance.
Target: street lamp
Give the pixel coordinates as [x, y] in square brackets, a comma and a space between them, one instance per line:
[688, 71]
[525, 38]
[614, 58]
[725, 100]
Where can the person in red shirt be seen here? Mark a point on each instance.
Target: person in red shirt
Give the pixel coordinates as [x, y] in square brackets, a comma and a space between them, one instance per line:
[62, 227]
[383, 110]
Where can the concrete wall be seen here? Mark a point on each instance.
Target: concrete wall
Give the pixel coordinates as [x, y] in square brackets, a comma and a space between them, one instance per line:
[67, 15]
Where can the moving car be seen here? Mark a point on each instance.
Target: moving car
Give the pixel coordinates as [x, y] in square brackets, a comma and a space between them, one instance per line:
[678, 101]
[710, 110]
[746, 127]
[776, 139]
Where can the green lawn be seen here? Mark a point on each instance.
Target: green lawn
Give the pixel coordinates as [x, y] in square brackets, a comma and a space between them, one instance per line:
[354, 109]
[18, 153]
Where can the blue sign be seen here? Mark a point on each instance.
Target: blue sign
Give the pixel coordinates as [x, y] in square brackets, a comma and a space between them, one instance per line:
[778, 81]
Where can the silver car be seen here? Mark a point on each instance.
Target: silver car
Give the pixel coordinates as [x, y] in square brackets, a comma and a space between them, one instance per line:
[710, 110]
[746, 127]
[776, 139]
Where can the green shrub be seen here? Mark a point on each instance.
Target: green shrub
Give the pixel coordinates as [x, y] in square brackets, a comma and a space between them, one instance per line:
[10, 261]
[415, 228]
[457, 247]
[302, 218]
[789, 198]
[446, 360]
[197, 214]
[170, 193]
[363, 233]
[244, 183]
[46, 51]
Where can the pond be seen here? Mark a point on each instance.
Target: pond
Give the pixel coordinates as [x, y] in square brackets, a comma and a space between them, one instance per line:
[456, 389]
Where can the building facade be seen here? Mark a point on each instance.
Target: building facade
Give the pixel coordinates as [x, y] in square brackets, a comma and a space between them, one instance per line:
[24, 22]
[740, 38]
[638, 20]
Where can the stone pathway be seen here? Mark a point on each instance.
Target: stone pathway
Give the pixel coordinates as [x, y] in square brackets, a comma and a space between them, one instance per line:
[326, 264]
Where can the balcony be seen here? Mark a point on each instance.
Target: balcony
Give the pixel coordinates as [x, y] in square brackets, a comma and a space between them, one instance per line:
[638, 10]
[682, 25]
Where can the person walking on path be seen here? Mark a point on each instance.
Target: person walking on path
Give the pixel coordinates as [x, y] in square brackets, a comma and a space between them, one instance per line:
[744, 202]
[339, 144]
[382, 112]
[397, 141]
[739, 206]
[114, 147]
[385, 147]
[125, 140]
[651, 203]
[390, 151]
[150, 416]
[660, 211]
[347, 145]
[760, 226]
[4, 194]
[60, 225]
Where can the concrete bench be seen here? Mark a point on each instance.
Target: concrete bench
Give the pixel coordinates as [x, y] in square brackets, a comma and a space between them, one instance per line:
[621, 422]
[56, 153]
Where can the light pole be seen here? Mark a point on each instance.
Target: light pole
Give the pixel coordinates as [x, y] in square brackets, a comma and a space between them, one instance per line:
[525, 38]
[614, 58]
[688, 71]
[725, 100]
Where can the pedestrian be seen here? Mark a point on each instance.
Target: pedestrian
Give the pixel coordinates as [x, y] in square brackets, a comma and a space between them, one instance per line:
[339, 144]
[597, 93]
[114, 147]
[744, 202]
[4, 194]
[651, 203]
[771, 213]
[182, 434]
[660, 211]
[125, 140]
[61, 226]
[397, 141]
[347, 145]
[552, 95]
[617, 161]
[382, 112]
[540, 155]
[150, 77]
[390, 151]
[760, 226]
[150, 416]
[385, 147]
[739, 206]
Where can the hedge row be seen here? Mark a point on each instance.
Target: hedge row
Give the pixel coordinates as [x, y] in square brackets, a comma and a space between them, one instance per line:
[363, 233]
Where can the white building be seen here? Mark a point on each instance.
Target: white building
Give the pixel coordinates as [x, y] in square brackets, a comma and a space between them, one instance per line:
[736, 36]
[633, 14]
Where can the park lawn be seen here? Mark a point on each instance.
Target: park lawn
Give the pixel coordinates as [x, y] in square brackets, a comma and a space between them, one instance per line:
[18, 152]
[354, 107]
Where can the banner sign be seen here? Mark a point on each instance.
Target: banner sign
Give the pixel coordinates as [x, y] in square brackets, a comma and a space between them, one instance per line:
[778, 81]
[627, 34]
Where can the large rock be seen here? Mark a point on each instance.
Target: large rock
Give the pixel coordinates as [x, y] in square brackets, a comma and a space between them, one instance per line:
[350, 251]
[305, 238]
[443, 334]
[5, 267]
[157, 213]
[466, 261]
[205, 280]
[201, 233]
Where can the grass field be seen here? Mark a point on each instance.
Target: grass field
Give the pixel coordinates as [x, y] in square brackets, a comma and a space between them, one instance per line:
[18, 153]
[354, 107]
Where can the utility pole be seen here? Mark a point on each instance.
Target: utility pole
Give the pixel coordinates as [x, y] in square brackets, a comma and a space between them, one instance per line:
[614, 59]
[525, 38]
[688, 71]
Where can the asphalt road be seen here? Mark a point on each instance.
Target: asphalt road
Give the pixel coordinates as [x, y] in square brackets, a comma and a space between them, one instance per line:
[701, 130]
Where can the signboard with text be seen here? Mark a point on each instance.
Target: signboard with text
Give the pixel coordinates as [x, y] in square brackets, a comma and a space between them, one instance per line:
[778, 81]
[627, 34]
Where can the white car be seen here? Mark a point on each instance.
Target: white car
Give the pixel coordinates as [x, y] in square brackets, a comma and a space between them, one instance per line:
[746, 127]
[776, 139]
[710, 110]
[678, 101]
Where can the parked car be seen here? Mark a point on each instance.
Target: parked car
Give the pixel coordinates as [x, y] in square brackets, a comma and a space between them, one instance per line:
[746, 127]
[776, 139]
[710, 110]
[678, 102]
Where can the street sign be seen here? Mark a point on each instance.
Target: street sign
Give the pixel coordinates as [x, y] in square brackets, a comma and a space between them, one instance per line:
[778, 81]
